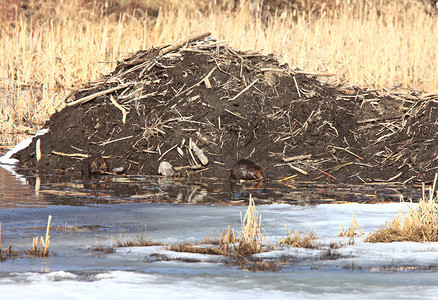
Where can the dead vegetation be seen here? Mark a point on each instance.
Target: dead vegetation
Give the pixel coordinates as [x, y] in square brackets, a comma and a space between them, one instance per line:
[300, 241]
[139, 241]
[420, 224]
[45, 53]
[40, 247]
[238, 247]
[351, 233]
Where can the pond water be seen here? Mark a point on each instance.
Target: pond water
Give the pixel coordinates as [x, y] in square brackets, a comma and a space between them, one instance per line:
[104, 211]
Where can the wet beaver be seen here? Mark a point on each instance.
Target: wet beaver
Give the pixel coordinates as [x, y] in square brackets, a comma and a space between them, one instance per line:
[93, 166]
[247, 170]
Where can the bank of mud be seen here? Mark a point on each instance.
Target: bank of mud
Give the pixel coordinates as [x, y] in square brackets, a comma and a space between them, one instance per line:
[158, 103]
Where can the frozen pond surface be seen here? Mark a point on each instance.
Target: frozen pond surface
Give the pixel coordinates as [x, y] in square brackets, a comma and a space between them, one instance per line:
[118, 210]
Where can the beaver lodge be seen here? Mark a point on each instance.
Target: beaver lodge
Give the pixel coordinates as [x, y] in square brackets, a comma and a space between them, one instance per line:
[201, 106]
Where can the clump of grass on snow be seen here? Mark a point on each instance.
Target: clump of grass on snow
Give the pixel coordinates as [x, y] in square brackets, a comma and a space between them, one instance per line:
[304, 241]
[249, 241]
[419, 225]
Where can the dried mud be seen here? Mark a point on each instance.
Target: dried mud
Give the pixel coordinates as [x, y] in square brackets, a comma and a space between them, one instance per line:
[237, 105]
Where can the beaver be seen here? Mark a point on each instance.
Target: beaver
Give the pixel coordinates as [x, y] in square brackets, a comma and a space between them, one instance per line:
[94, 165]
[246, 169]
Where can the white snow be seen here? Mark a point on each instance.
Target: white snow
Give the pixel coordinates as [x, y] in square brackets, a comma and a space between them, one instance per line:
[6, 160]
[362, 270]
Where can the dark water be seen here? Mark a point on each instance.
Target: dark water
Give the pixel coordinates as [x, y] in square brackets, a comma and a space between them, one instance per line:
[67, 190]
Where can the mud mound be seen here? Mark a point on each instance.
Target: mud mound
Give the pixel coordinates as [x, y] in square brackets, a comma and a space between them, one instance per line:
[159, 103]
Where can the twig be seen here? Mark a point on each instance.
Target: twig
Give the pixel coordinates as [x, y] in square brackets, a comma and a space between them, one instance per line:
[298, 169]
[234, 114]
[378, 119]
[194, 167]
[348, 151]
[296, 86]
[124, 113]
[71, 154]
[244, 90]
[298, 157]
[314, 73]
[288, 177]
[200, 82]
[95, 95]
[272, 70]
[170, 149]
[181, 44]
[395, 177]
[116, 140]
[396, 150]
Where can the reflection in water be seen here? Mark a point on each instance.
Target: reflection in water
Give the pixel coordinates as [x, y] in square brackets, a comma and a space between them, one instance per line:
[15, 192]
[68, 190]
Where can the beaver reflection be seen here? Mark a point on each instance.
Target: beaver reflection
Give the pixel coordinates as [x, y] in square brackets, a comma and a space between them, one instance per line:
[246, 169]
[94, 165]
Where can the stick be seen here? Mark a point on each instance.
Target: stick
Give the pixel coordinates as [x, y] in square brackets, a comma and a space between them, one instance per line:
[378, 119]
[234, 114]
[395, 177]
[116, 140]
[298, 157]
[180, 44]
[313, 73]
[71, 154]
[194, 167]
[38, 150]
[298, 169]
[124, 113]
[244, 90]
[95, 95]
[205, 79]
[296, 85]
[348, 151]
[288, 177]
[170, 149]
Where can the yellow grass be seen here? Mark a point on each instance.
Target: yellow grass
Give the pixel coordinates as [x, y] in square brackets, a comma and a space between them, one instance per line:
[54, 46]
[251, 240]
[299, 241]
[350, 232]
[420, 224]
[40, 246]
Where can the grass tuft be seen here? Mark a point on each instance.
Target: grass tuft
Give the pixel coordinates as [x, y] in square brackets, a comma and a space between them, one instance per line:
[40, 247]
[420, 224]
[307, 241]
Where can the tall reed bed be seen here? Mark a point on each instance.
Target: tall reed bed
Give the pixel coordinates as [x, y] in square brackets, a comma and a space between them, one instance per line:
[52, 47]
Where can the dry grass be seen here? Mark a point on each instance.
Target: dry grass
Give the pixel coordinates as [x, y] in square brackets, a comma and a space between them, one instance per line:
[419, 225]
[51, 47]
[139, 241]
[238, 247]
[350, 232]
[232, 243]
[40, 247]
[307, 241]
